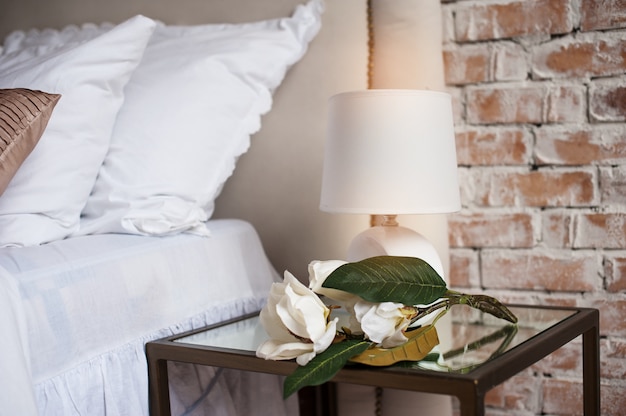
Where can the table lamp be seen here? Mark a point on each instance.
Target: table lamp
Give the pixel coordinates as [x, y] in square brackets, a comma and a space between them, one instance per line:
[390, 152]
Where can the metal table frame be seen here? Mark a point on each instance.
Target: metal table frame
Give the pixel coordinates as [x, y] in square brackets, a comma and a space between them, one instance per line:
[470, 388]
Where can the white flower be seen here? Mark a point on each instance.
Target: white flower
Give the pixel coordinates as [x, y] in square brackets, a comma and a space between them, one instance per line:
[297, 323]
[383, 323]
[319, 271]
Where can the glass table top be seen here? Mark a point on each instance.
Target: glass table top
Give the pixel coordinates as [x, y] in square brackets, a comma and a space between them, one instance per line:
[468, 338]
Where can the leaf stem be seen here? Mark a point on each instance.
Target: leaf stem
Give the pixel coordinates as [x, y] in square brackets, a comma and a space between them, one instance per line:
[422, 312]
[483, 303]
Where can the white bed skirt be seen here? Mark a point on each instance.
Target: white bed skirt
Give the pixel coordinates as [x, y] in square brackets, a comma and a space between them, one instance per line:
[82, 309]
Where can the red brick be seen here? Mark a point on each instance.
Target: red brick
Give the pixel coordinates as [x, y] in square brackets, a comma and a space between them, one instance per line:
[495, 397]
[466, 186]
[506, 19]
[491, 230]
[488, 146]
[567, 361]
[613, 185]
[613, 359]
[466, 65]
[613, 399]
[602, 14]
[562, 397]
[463, 268]
[542, 188]
[539, 103]
[469, 64]
[537, 270]
[600, 230]
[615, 272]
[612, 314]
[607, 101]
[556, 230]
[571, 106]
[585, 56]
[520, 393]
[509, 61]
[557, 145]
[458, 105]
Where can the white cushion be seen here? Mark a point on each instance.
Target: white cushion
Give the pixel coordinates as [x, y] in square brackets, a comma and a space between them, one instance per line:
[190, 108]
[44, 200]
[23, 45]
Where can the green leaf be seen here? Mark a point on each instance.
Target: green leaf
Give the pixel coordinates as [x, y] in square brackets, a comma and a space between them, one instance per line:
[432, 357]
[407, 280]
[324, 366]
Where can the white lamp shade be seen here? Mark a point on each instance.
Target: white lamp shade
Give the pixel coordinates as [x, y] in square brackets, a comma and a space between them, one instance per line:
[390, 152]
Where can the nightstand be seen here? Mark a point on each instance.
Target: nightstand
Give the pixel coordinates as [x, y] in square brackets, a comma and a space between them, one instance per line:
[485, 351]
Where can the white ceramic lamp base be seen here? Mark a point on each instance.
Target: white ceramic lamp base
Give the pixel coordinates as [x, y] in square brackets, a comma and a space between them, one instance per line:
[392, 240]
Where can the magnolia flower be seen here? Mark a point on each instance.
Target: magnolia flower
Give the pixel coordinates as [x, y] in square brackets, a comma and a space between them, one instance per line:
[383, 323]
[319, 271]
[297, 323]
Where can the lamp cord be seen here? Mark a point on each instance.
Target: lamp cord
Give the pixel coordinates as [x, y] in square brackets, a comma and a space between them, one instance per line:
[370, 44]
[379, 402]
[370, 68]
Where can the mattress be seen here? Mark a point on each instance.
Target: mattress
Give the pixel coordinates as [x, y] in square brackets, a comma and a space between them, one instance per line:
[84, 307]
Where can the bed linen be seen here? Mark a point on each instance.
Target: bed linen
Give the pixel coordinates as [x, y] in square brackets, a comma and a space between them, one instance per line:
[178, 119]
[84, 307]
[281, 206]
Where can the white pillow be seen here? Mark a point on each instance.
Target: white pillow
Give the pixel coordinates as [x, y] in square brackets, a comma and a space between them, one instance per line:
[22, 45]
[190, 108]
[44, 200]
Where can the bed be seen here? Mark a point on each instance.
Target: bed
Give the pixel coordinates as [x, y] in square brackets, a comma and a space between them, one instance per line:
[166, 194]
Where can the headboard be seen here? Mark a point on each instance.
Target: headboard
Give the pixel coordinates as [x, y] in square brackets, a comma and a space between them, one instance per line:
[276, 184]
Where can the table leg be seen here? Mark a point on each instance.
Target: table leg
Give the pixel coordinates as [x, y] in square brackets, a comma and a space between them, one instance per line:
[591, 369]
[472, 404]
[318, 400]
[158, 382]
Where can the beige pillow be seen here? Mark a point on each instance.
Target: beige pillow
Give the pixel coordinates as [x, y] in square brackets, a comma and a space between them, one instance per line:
[24, 115]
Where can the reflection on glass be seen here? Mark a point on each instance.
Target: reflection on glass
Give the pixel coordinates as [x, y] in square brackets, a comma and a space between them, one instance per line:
[475, 337]
[243, 335]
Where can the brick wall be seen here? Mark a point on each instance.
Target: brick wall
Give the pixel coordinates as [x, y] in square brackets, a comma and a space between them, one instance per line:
[540, 105]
